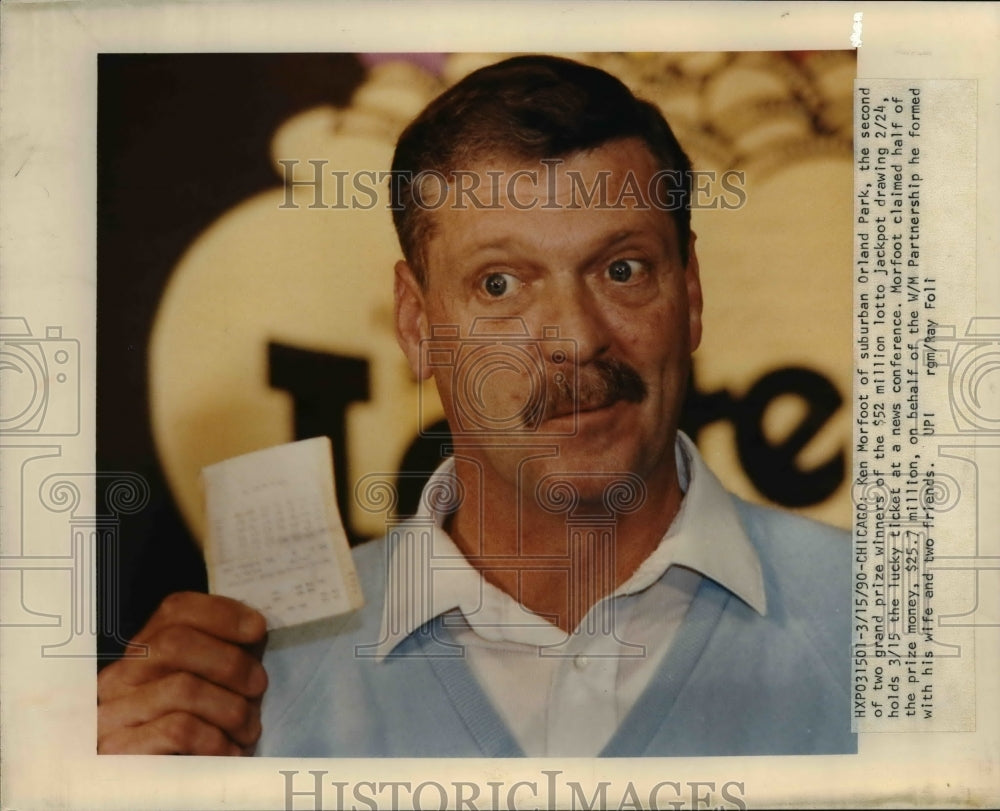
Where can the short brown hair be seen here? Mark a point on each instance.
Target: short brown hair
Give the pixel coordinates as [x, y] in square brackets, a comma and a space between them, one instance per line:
[531, 108]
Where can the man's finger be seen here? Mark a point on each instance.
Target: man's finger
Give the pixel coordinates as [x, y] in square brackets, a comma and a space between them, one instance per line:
[180, 648]
[236, 715]
[212, 614]
[174, 734]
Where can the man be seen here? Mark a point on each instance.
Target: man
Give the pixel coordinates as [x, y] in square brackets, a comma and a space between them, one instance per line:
[577, 582]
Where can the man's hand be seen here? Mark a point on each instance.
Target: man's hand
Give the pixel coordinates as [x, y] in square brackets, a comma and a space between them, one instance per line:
[197, 690]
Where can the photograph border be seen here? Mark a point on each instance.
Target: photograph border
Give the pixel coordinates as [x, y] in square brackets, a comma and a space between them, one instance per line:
[47, 97]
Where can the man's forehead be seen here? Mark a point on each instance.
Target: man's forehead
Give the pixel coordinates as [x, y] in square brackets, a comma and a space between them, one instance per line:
[587, 178]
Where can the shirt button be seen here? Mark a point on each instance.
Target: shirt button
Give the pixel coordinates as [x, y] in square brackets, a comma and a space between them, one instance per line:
[581, 661]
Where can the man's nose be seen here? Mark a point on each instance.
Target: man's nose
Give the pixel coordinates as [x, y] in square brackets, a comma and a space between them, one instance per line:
[574, 310]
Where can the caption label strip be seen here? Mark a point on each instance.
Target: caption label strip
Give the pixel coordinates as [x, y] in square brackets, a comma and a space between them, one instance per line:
[916, 483]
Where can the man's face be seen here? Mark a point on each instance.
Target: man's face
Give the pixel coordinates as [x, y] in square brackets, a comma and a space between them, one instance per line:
[611, 316]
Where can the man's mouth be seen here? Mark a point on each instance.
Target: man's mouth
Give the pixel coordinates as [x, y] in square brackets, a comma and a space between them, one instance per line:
[568, 409]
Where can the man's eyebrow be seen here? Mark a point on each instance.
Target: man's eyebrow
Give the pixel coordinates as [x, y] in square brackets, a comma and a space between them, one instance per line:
[498, 244]
[610, 242]
[510, 247]
[620, 236]
[601, 245]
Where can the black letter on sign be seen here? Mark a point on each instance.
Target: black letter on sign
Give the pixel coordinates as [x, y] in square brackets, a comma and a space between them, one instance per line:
[772, 468]
[322, 385]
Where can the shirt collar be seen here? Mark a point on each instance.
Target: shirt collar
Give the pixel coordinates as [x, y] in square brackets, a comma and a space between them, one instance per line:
[706, 536]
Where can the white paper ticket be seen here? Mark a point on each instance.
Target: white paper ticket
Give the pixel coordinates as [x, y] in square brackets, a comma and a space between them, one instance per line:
[275, 539]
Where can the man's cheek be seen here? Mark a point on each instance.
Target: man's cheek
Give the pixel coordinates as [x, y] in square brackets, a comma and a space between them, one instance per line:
[500, 396]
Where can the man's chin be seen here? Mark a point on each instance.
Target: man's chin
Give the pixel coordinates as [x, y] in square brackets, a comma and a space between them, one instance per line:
[585, 475]
[595, 491]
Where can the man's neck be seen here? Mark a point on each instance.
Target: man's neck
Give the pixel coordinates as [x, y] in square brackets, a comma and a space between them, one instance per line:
[558, 564]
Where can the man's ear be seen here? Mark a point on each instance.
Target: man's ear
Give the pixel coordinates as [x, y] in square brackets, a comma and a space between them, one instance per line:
[692, 277]
[411, 323]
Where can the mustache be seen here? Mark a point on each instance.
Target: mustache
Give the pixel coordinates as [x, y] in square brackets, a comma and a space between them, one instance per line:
[599, 384]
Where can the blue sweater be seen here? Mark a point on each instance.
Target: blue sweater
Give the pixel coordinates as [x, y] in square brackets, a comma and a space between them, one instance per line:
[733, 682]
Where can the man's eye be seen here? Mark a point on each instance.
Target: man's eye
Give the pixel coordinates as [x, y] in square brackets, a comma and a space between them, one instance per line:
[622, 270]
[498, 285]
